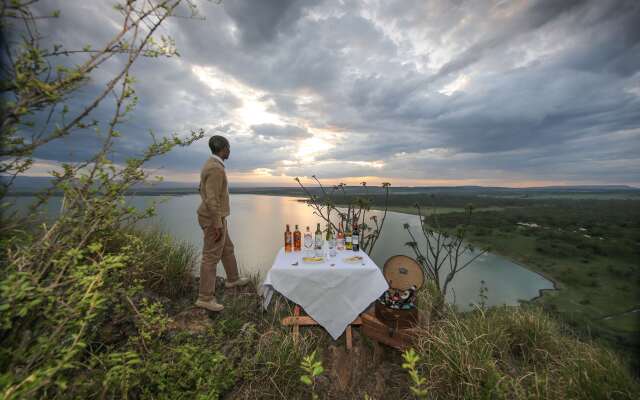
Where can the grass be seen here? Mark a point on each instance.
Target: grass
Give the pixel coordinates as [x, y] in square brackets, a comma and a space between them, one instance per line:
[164, 265]
[268, 360]
[625, 323]
[588, 290]
[516, 353]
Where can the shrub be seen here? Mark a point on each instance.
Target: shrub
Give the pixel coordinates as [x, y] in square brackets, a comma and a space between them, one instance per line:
[184, 368]
[56, 339]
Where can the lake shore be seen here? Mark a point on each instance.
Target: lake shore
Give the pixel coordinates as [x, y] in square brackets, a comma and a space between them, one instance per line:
[514, 259]
[578, 274]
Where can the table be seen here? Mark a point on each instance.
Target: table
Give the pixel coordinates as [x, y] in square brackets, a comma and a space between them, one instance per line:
[332, 293]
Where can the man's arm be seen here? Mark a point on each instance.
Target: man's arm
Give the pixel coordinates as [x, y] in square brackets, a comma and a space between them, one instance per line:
[213, 184]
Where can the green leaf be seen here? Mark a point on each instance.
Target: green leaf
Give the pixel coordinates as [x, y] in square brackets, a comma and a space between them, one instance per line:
[306, 380]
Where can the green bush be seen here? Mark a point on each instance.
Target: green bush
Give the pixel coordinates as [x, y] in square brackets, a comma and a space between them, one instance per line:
[47, 325]
[55, 337]
[185, 368]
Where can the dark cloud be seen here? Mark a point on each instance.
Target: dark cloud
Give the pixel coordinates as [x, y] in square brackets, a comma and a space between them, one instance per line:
[491, 91]
[259, 22]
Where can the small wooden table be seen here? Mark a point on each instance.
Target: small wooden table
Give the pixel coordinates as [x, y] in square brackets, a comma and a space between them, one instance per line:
[297, 320]
[334, 291]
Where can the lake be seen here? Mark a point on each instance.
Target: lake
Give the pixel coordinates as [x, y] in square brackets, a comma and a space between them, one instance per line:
[257, 224]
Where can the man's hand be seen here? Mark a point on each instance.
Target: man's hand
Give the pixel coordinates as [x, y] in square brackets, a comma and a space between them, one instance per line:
[217, 233]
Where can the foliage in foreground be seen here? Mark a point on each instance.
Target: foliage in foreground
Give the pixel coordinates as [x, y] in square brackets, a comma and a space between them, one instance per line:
[107, 329]
[132, 348]
[85, 309]
[514, 353]
[181, 367]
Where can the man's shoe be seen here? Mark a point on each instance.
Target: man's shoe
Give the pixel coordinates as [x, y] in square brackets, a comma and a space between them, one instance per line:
[239, 282]
[210, 305]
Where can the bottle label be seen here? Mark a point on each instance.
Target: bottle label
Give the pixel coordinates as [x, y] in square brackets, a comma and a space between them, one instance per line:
[354, 240]
[348, 239]
[308, 242]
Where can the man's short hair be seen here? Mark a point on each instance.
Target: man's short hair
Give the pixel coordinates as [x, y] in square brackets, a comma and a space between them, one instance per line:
[217, 143]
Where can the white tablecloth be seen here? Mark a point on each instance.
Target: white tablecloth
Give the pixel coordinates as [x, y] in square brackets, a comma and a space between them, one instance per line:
[332, 295]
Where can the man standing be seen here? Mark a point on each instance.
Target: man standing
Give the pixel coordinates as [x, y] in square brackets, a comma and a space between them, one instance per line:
[212, 217]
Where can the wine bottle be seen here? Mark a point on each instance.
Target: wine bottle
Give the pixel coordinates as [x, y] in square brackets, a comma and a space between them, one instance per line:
[347, 238]
[287, 240]
[308, 243]
[318, 244]
[297, 240]
[355, 237]
[331, 241]
[340, 240]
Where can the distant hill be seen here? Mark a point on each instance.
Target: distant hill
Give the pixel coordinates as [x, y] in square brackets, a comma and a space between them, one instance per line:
[585, 187]
[27, 185]
[24, 185]
[398, 193]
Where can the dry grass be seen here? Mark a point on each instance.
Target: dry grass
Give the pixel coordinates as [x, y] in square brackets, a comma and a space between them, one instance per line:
[517, 353]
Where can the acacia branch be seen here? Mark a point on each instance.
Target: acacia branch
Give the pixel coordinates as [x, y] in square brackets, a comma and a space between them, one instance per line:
[40, 99]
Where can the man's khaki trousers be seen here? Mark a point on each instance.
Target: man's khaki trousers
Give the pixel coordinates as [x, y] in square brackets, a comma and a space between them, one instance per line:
[212, 253]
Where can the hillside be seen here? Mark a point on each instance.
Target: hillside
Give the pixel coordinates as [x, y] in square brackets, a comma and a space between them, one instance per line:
[147, 341]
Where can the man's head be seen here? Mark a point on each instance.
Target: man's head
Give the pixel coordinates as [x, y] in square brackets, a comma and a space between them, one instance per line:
[219, 146]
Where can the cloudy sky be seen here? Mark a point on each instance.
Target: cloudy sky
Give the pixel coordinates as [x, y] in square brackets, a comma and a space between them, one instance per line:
[449, 92]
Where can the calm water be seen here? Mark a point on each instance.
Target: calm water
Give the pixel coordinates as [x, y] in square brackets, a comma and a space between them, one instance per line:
[257, 223]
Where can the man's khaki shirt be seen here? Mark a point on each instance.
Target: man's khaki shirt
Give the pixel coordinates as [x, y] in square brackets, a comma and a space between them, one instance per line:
[214, 193]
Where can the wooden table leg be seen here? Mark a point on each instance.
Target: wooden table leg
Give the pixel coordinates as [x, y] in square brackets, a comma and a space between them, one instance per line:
[296, 327]
[298, 320]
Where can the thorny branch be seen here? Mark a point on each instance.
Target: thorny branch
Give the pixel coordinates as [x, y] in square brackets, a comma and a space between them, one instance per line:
[37, 79]
[356, 211]
[442, 248]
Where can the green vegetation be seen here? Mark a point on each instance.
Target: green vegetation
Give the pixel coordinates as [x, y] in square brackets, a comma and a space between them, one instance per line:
[588, 248]
[438, 210]
[124, 327]
[145, 340]
[165, 267]
[312, 368]
[514, 353]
